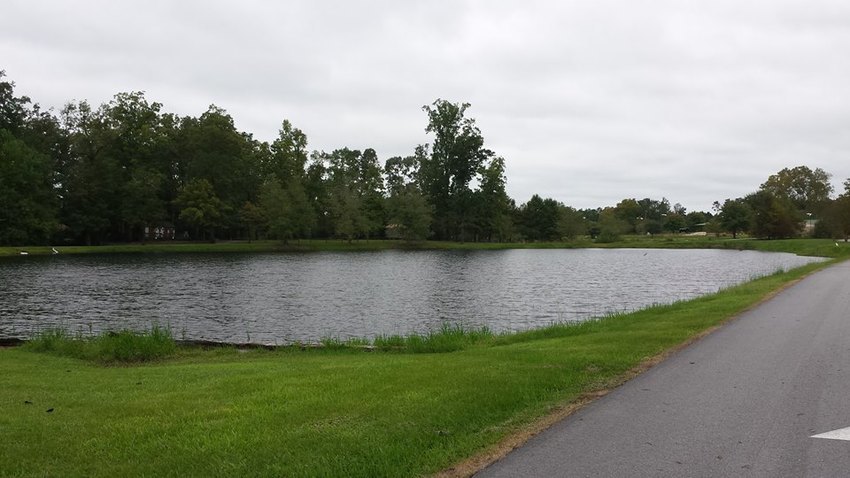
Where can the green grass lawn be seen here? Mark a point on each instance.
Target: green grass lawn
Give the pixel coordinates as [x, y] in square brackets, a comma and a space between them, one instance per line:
[332, 412]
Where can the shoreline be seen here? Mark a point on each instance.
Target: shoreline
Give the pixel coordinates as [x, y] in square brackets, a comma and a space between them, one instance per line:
[806, 246]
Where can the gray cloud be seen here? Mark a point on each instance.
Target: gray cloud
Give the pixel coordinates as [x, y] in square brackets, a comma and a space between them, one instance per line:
[589, 102]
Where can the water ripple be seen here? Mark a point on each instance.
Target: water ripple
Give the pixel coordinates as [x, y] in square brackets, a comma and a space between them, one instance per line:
[280, 298]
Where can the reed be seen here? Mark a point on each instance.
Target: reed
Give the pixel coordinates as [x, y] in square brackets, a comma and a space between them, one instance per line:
[125, 346]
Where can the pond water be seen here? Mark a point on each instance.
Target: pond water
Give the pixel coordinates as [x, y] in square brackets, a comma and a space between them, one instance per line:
[281, 298]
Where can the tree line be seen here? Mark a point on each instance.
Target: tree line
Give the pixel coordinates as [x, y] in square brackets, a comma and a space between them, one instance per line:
[128, 171]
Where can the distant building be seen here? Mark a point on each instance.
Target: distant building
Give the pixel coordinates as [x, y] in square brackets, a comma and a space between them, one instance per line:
[809, 226]
[694, 229]
[161, 232]
[393, 231]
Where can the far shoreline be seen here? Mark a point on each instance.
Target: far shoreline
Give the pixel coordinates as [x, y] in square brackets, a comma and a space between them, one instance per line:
[805, 247]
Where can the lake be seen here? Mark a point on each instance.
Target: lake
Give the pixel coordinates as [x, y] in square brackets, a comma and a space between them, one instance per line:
[280, 298]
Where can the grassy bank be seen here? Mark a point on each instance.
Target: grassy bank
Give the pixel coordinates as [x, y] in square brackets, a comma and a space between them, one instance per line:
[333, 412]
[808, 247]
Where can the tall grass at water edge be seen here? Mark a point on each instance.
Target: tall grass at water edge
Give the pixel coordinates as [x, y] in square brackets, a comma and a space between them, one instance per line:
[111, 347]
[448, 338]
[128, 346]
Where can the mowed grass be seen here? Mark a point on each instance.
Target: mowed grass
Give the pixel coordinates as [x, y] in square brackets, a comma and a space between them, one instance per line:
[339, 411]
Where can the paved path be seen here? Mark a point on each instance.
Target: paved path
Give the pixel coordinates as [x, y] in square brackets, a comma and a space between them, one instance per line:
[744, 401]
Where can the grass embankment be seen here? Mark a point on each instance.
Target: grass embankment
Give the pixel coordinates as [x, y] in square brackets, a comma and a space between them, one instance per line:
[806, 247]
[332, 412]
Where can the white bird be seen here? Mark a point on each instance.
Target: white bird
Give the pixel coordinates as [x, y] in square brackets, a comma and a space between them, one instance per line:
[25, 253]
[836, 244]
[54, 250]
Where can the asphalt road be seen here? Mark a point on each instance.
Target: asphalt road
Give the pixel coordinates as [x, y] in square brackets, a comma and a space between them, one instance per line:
[744, 401]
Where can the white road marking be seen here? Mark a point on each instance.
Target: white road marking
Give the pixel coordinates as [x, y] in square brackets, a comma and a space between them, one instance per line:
[840, 434]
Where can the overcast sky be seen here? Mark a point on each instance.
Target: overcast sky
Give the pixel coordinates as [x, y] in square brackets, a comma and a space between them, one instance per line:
[588, 101]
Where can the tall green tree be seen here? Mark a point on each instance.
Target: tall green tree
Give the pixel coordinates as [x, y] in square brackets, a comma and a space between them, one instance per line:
[349, 220]
[292, 211]
[611, 225]
[253, 218]
[200, 208]
[839, 216]
[133, 138]
[571, 223]
[28, 203]
[773, 217]
[212, 149]
[835, 221]
[356, 190]
[807, 189]
[13, 109]
[696, 220]
[93, 178]
[276, 208]
[540, 219]
[653, 215]
[734, 216]
[372, 192]
[286, 210]
[318, 194]
[590, 216]
[675, 220]
[119, 174]
[402, 171]
[302, 215]
[288, 157]
[30, 140]
[445, 175]
[629, 212]
[409, 213]
[143, 207]
[645, 215]
[493, 206]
